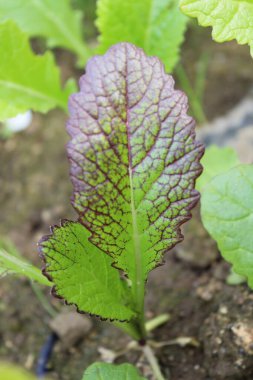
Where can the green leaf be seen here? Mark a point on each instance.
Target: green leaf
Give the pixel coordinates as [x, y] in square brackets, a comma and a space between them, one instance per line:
[11, 263]
[227, 214]
[157, 26]
[11, 372]
[215, 161]
[54, 20]
[106, 371]
[27, 81]
[230, 19]
[234, 278]
[84, 275]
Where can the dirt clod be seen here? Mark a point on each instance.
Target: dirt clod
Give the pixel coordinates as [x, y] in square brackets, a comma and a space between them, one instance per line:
[243, 334]
[71, 327]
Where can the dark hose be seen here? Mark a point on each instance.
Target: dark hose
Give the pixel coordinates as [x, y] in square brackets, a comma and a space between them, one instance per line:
[45, 355]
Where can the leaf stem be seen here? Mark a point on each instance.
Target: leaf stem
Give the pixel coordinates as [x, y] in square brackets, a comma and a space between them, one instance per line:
[138, 282]
[148, 352]
[43, 300]
[201, 72]
[195, 102]
[130, 328]
[156, 322]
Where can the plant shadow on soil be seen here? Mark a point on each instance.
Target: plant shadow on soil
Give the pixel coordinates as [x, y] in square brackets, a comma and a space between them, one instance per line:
[191, 286]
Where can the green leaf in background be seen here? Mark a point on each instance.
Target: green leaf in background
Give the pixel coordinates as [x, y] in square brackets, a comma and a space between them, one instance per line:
[53, 19]
[27, 81]
[230, 19]
[227, 214]
[12, 263]
[106, 371]
[157, 26]
[215, 161]
[9, 371]
[83, 274]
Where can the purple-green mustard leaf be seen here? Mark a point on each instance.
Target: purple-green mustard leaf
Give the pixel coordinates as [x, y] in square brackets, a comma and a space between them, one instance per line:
[134, 160]
[83, 275]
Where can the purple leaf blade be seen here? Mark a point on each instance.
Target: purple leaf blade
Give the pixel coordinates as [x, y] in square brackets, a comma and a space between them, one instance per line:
[134, 159]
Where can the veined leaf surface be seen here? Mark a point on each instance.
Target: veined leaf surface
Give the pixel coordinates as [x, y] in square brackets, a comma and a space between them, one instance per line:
[27, 81]
[134, 159]
[157, 26]
[227, 214]
[230, 19]
[54, 20]
[83, 275]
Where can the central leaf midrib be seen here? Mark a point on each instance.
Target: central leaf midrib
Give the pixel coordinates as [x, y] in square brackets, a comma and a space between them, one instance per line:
[137, 285]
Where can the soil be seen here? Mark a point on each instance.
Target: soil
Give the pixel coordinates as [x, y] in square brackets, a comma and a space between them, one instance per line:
[191, 286]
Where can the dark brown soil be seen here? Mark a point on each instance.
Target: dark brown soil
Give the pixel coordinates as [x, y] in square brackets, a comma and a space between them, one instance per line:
[191, 286]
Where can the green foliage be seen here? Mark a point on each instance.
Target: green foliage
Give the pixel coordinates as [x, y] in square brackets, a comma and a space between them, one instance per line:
[54, 20]
[227, 214]
[12, 263]
[11, 372]
[234, 278]
[27, 81]
[134, 161]
[106, 371]
[230, 19]
[157, 26]
[216, 161]
[83, 274]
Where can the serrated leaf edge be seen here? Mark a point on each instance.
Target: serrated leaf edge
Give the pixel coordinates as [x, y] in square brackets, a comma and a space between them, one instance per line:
[54, 293]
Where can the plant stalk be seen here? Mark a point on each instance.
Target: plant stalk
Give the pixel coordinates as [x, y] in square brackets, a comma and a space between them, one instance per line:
[195, 102]
[138, 287]
[130, 328]
[43, 300]
[152, 324]
[148, 352]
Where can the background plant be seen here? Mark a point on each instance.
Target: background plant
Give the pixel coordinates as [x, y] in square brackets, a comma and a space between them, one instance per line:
[229, 19]
[226, 206]
[161, 34]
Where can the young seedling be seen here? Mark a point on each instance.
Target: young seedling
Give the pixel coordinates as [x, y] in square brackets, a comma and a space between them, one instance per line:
[133, 164]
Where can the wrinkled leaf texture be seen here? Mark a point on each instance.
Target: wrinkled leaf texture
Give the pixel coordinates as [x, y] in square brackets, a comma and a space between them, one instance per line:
[134, 161]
